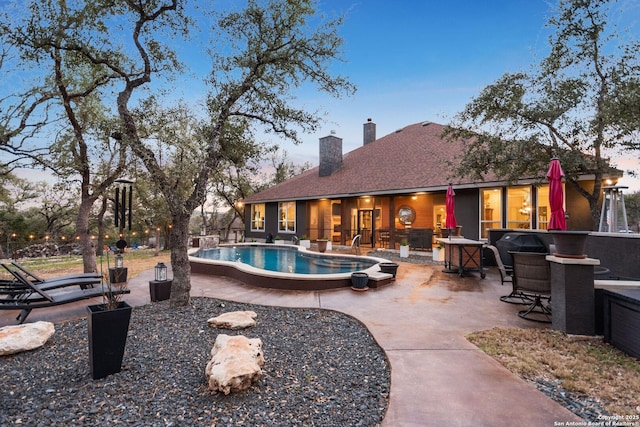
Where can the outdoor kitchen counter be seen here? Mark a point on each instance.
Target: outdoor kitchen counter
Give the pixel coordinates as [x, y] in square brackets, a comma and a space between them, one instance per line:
[461, 255]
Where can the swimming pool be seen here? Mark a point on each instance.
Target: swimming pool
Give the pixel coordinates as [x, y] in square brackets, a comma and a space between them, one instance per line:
[285, 266]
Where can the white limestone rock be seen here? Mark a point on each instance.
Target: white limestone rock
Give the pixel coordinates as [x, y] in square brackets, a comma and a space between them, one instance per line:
[18, 338]
[235, 363]
[234, 320]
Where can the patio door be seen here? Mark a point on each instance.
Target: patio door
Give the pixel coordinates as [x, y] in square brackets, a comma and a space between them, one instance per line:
[365, 226]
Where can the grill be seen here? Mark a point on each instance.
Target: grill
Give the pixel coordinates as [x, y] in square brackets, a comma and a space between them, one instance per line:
[518, 242]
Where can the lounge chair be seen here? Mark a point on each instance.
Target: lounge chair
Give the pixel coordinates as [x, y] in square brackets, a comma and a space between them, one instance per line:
[35, 297]
[11, 287]
[90, 277]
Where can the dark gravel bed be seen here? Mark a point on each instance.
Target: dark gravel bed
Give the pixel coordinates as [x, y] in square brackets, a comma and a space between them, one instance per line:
[587, 408]
[322, 368]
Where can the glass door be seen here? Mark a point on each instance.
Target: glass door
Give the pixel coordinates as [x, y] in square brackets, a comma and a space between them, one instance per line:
[365, 226]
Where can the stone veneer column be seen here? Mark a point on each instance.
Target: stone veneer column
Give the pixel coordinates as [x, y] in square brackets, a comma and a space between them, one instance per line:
[572, 295]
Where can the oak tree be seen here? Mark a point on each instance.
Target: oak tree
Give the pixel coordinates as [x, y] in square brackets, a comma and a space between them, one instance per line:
[581, 102]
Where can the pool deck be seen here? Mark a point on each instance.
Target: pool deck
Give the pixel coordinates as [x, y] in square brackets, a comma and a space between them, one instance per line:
[420, 320]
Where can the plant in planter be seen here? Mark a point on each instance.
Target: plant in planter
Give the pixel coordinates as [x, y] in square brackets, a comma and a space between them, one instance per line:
[108, 326]
[329, 245]
[404, 248]
[438, 252]
[305, 242]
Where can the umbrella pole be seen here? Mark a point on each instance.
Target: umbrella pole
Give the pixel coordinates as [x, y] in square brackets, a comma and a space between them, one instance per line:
[448, 264]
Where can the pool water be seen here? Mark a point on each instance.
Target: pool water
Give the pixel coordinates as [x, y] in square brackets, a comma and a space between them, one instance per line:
[286, 260]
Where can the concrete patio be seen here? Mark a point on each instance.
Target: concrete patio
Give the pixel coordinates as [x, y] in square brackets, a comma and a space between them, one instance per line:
[438, 377]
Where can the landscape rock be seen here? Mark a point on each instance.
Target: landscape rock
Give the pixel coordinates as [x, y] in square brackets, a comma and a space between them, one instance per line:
[18, 338]
[235, 363]
[234, 320]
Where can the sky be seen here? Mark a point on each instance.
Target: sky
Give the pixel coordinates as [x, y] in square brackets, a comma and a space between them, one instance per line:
[424, 60]
[419, 60]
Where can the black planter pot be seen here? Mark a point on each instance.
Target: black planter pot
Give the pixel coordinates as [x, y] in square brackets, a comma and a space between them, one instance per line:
[108, 331]
[118, 275]
[569, 244]
[359, 281]
[389, 268]
[160, 290]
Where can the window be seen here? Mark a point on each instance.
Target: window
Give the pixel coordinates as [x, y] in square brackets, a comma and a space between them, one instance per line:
[287, 217]
[257, 217]
[490, 214]
[544, 211]
[519, 207]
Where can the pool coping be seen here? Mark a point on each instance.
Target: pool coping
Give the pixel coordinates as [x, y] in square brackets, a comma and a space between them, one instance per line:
[291, 281]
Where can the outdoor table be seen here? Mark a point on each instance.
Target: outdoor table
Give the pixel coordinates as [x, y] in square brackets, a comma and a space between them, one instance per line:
[462, 255]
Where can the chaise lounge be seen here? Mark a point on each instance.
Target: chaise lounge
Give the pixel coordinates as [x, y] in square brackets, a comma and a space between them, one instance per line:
[34, 296]
[12, 288]
[90, 278]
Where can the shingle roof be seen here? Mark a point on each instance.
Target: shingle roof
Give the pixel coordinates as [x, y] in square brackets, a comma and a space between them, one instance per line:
[408, 160]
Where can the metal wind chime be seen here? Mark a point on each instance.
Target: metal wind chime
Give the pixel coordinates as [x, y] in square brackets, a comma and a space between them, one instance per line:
[124, 202]
[124, 197]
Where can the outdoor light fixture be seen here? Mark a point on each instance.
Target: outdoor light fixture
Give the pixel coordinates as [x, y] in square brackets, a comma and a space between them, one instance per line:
[160, 288]
[119, 261]
[161, 272]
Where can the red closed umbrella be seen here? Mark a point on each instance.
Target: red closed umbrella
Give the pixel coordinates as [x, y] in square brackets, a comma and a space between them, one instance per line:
[450, 221]
[556, 196]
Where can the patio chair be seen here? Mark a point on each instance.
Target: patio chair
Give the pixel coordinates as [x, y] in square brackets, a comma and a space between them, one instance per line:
[34, 297]
[384, 238]
[532, 276]
[506, 276]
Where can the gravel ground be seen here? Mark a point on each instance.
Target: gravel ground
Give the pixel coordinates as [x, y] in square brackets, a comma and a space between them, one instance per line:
[587, 408]
[322, 368]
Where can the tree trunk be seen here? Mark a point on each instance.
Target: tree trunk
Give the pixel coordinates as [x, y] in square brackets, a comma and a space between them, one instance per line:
[157, 248]
[181, 287]
[86, 245]
[595, 213]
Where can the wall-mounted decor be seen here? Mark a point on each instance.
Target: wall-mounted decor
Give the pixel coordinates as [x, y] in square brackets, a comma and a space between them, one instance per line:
[406, 215]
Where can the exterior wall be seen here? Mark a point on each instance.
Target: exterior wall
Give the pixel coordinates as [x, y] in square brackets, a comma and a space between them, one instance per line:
[467, 215]
[468, 212]
[578, 208]
[271, 222]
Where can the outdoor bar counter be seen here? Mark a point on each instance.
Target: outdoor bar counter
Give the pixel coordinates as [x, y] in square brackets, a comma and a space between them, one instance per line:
[462, 255]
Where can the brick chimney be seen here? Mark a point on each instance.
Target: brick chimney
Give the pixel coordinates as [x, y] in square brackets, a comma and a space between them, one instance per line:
[330, 154]
[369, 134]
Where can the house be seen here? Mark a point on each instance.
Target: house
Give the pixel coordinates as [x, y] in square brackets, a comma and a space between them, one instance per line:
[393, 188]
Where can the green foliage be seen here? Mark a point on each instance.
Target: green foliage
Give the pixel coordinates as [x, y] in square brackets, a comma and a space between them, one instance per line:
[96, 63]
[580, 101]
[632, 206]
